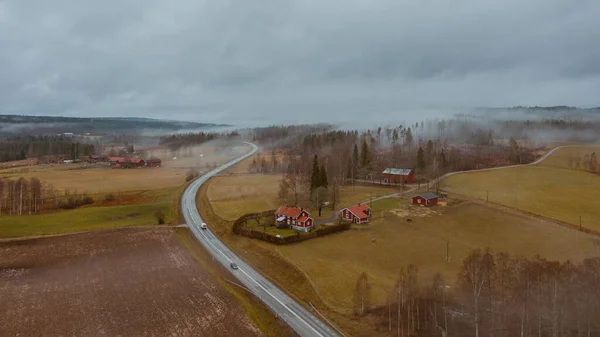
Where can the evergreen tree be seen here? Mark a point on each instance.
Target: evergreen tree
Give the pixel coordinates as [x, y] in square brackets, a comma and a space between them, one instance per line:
[323, 179]
[408, 137]
[364, 154]
[421, 159]
[428, 150]
[355, 161]
[315, 176]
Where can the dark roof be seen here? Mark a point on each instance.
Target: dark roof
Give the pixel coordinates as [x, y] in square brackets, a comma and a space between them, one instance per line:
[427, 196]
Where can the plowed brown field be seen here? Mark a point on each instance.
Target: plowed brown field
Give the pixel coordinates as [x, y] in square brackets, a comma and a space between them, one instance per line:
[129, 282]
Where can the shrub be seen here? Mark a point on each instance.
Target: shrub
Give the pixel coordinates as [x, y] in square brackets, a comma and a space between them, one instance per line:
[191, 174]
[160, 217]
[109, 197]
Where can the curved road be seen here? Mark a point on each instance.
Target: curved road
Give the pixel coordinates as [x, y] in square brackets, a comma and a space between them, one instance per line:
[298, 318]
[537, 161]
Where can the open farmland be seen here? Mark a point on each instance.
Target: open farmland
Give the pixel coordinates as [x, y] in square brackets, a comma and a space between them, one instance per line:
[113, 283]
[559, 194]
[127, 209]
[99, 178]
[233, 196]
[324, 271]
[571, 157]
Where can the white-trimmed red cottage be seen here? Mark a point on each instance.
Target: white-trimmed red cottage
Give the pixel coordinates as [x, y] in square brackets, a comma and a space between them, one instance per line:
[294, 217]
[360, 213]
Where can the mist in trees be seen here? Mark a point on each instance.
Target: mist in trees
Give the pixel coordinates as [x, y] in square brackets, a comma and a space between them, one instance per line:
[23, 147]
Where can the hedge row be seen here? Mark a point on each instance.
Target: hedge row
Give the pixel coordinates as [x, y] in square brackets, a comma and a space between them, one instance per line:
[238, 228]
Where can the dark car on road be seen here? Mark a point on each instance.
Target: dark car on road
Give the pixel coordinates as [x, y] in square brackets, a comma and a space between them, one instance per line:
[233, 265]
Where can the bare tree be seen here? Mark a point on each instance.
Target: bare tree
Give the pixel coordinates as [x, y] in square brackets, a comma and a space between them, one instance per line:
[362, 295]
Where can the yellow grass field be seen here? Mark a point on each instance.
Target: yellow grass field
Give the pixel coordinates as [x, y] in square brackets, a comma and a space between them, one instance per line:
[100, 178]
[559, 194]
[233, 196]
[560, 157]
[334, 263]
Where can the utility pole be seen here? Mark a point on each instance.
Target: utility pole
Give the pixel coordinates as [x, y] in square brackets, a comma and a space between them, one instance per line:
[580, 223]
[447, 251]
[487, 195]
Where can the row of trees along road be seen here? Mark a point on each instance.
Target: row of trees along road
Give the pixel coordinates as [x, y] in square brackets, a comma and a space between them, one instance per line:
[494, 295]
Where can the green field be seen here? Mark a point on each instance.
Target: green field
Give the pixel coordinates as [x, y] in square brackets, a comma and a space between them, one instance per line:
[559, 194]
[97, 217]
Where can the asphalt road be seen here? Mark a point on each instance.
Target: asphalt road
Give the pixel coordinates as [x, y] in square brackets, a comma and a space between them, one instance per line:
[298, 318]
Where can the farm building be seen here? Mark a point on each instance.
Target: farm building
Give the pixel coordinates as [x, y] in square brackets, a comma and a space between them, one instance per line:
[122, 162]
[137, 162]
[116, 162]
[398, 176]
[154, 162]
[358, 214]
[425, 199]
[294, 217]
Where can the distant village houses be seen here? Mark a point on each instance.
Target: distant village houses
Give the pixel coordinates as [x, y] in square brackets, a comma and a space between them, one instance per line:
[124, 162]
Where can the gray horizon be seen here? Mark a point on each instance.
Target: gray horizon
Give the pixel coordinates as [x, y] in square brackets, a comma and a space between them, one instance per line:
[269, 62]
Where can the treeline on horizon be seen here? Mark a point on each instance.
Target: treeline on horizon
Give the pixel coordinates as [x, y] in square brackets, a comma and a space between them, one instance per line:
[179, 140]
[24, 147]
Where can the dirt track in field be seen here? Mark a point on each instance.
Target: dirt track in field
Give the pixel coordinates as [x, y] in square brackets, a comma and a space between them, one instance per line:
[131, 282]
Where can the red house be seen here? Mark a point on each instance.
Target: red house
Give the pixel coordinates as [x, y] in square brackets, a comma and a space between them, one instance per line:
[154, 162]
[357, 214]
[137, 162]
[398, 176]
[115, 162]
[425, 199]
[294, 217]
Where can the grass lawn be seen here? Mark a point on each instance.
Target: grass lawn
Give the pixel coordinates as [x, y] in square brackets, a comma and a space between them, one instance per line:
[560, 157]
[128, 213]
[334, 263]
[560, 194]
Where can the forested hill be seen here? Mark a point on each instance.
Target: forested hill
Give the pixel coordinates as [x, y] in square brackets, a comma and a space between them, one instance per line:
[16, 124]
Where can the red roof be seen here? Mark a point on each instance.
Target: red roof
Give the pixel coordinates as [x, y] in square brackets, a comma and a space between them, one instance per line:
[135, 160]
[292, 212]
[360, 211]
[117, 159]
[303, 218]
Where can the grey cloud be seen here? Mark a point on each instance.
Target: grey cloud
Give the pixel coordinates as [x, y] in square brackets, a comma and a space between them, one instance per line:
[300, 60]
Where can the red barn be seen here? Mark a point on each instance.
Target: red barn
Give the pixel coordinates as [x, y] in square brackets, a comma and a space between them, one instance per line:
[358, 214]
[294, 217]
[425, 199]
[137, 162]
[154, 162]
[398, 176]
[115, 162]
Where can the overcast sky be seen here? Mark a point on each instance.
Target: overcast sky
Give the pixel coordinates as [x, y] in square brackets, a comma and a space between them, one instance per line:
[275, 61]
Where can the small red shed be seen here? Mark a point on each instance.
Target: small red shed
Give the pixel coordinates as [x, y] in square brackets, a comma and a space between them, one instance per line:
[425, 199]
[357, 214]
[398, 176]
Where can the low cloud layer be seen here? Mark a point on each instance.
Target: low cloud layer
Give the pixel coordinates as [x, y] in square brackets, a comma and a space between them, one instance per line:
[270, 61]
